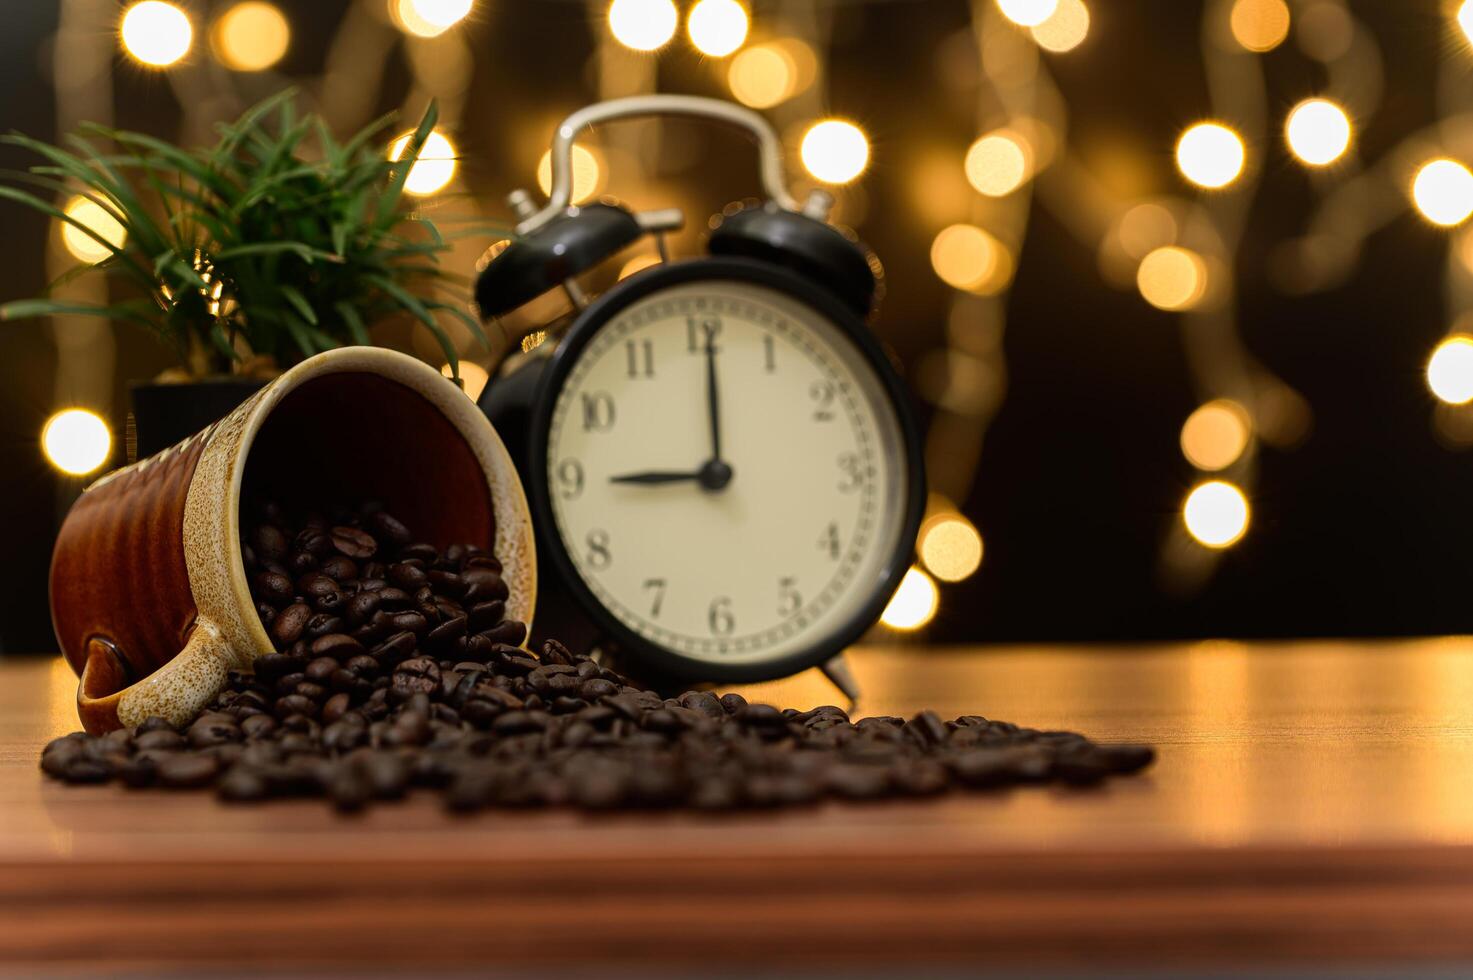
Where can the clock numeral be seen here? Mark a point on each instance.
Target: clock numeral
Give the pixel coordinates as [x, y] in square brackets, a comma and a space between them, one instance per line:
[658, 585]
[822, 393]
[570, 478]
[853, 470]
[598, 411]
[829, 540]
[699, 332]
[640, 356]
[719, 616]
[769, 353]
[789, 600]
[599, 556]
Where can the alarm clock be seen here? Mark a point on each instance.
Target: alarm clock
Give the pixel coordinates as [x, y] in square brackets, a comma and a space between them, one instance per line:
[720, 458]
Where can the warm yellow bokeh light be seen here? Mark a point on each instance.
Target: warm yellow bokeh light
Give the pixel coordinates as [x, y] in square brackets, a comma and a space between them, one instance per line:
[1172, 278]
[762, 76]
[1465, 19]
[835, 151]
[638, 264]
[966, 257]
[643, 25]
[1450, 370]
[83, 246]
[1145, 227]
[914, 603]
[156, 33]
[435, 166]
[1210, 155]
[429, 18]
[587, 174]
[473, 378]
[1028, 13]
[998, 163]
[251, 36]
[1259, 25]
[76, 441]
[1065, 29]
[1318, 132]
[717, 27]
[1443, 192]
[1216, 514]
[1215, 435]
[950, 547]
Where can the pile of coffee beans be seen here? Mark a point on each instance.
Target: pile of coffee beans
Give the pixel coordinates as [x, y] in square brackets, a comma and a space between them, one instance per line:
[395, 667]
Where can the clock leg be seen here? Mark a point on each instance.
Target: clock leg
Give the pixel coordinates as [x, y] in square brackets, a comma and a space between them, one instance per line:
[836, 669]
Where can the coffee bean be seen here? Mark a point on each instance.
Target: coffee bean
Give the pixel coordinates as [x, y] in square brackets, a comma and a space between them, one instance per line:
[389, 530]
[353, 543]
[289, 624]
[188, 771]
[338, 646]
[339, 568]
[274, 587]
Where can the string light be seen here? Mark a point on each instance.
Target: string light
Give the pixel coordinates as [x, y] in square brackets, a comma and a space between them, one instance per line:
[83, 246]
[1027, 13]
[1450, 370]
[1259, 25]
[76, 441]
[587, 174]
[914, 603]
[763, 75]
[1318, 132]
[1443, 192]
[473, 378]
[966, 257]
[717, 27]
[997, 164]
[156, 33]
[251, 36]
[1215, 435]
[1210, 155]
[950, 547]
[430, 18]
[1065, 29]
[1216, 514]
[1172, 278]
[643, 25]
[1465, 19]
[835, 151]
[434, 167]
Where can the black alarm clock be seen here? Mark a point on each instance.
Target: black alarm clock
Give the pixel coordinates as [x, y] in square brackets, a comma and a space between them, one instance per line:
[720, 458]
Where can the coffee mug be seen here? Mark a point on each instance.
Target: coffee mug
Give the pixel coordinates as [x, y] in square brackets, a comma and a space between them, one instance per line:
[149, 596]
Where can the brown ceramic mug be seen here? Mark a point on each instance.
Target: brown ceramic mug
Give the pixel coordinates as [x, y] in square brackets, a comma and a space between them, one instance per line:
[149, 596]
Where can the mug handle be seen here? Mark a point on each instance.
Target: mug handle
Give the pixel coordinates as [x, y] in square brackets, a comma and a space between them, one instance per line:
[176, 691]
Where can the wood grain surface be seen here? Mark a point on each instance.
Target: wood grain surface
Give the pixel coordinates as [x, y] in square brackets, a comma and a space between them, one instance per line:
[1312, 806]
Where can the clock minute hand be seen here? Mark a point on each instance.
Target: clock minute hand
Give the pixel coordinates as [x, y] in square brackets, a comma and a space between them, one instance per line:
[713, 400]
[656, 477]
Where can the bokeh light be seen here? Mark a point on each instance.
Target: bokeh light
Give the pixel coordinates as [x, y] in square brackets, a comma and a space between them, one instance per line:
[1210, 155]
[1216, 514]
[717, 27]
[1172, 278]
[429, 18]
[1259, 25]
[1065, 29]
[76, 441]
[1450, 370]
[1318, 132]
[84, 247]
[1215, 435]
[473, 378]
[251, 36]
[1443, 192]
[1027, 13]
[587, 173]
[835, 151]
[950, 547]
[966, 257]
[762, 76]
[643, 25]
[914, 603]
[1465, 19]
[1145, 227]
[156, 33]
[435, 166]
[997, 164]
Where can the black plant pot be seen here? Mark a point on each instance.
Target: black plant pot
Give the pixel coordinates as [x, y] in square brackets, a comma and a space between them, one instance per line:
[166, 413]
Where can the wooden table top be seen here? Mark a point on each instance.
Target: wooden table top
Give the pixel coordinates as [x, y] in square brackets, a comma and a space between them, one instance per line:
[1312, 804]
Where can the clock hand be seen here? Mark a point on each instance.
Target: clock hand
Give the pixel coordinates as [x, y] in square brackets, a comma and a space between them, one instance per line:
[656, 477]
[713, 401]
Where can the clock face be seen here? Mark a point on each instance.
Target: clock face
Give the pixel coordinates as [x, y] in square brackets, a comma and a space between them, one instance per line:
[738, 536]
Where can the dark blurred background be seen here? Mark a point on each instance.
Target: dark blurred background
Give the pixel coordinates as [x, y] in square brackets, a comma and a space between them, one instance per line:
[1062, 395]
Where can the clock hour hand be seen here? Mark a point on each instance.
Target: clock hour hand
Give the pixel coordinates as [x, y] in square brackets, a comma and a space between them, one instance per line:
[656, 477]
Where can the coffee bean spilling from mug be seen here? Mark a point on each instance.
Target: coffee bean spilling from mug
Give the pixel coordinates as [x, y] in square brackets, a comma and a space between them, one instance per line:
[396, 668]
